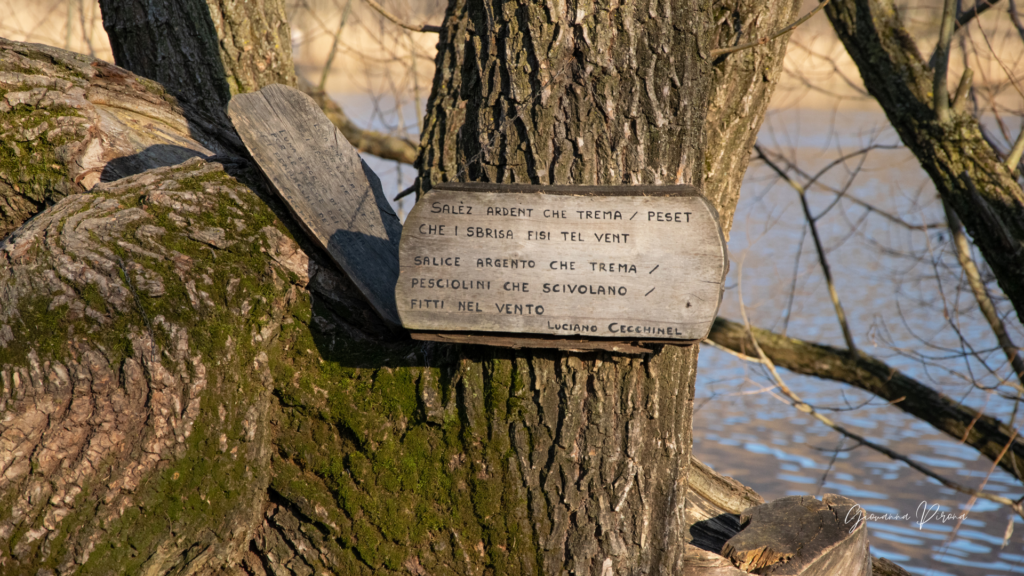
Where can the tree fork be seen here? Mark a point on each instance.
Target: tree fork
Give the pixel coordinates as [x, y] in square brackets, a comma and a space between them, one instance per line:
[402, 457]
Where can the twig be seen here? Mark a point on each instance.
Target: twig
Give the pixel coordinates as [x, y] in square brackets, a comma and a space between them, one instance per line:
[792, 284]
[799, 404]
[404, 193]
[376, 143]
[963, 89]
[85, 27]
[383, 12]
[872, 375]
[69, 27]
[979, 8]
[988, 309]
[973, 499]
[840, 313]
[867, 206]
[1009, 74]
[963, 18]
[334, 47]
[718, 52]
[841, 194]
[831, 463]
[1015, 18]
[939, 88]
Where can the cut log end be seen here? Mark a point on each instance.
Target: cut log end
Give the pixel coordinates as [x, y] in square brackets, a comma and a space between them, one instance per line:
[755, 559]
[802, 536]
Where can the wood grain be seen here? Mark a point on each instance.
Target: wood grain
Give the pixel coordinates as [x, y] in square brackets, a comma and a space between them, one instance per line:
[802, 536]
[331, 192]
[630, 263]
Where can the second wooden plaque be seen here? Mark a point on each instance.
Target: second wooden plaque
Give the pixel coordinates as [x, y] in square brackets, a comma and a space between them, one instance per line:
[622, 262]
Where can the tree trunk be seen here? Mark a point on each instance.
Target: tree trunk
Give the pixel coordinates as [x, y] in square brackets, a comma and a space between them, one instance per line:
[190, 386]
[203, 52]
[564, 97]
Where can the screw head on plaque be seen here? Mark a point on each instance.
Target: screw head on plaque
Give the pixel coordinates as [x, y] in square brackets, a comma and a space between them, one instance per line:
[641, 263]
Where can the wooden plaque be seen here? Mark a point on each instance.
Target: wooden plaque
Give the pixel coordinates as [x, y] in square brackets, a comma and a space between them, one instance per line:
[331, 192]
[623, 262]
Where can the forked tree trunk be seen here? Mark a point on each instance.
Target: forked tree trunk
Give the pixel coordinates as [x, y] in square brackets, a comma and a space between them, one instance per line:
[187, 389]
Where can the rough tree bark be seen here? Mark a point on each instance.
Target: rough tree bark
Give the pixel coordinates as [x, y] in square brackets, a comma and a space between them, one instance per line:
[189, 385]
[67, 122]
[203, 52]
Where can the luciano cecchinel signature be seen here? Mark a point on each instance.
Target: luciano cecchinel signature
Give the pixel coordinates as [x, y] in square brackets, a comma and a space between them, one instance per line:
[925, 513]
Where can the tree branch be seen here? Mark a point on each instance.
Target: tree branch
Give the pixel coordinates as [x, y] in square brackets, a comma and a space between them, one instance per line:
[986, 434]
[806, 408]
[939, 88]
[1015, 18]
[1013, 158]
[963, 255]
[717, 52]
[334, 47]
[840, 313]
[896, 75]
[962, 90]
[383, 12]
[980, 7]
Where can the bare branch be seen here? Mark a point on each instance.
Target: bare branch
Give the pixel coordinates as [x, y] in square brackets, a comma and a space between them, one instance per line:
[376, 143]
[795, 401]
[979, 8]
[1015, 18]
[963, 89]
[1013, 158]
[985, 433]
[383, 12]
[963, 255]
[866, 205]
[334, 47]
[840, 313]
[718, 52]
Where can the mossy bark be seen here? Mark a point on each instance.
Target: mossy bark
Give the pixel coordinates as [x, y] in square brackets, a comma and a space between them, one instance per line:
[207, 394]
[68, 121]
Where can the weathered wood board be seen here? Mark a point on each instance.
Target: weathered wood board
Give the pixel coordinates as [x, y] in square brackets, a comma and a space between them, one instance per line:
[331, 192]
[624, 262]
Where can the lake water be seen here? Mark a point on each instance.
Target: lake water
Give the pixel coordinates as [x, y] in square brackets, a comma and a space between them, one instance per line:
[900, 291]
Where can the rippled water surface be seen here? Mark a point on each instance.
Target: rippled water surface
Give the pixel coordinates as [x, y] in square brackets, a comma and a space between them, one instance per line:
[886, 277]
